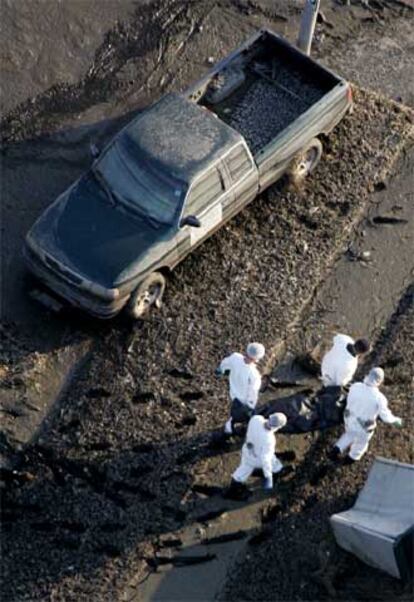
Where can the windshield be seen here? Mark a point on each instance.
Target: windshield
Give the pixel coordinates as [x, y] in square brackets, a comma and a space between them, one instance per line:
[138, 182]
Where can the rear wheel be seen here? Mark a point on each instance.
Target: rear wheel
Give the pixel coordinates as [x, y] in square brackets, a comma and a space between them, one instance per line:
[306, 161]
[147, 294]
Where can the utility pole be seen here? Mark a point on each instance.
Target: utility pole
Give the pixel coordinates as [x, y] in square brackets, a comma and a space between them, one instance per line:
[307, 25]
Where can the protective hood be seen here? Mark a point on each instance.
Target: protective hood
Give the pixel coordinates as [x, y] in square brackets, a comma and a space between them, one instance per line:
[340, 341]
[93, 236]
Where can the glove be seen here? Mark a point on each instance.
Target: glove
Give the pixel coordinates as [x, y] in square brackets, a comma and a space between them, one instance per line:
[398, 423]
[218, 373]
[268, 484]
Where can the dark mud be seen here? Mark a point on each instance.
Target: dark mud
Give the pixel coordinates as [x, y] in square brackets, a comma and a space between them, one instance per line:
[72, 482]
[301, 545]
[113, 470]
[153, 48]
[150, 49]
[374, 270]
[46, 42]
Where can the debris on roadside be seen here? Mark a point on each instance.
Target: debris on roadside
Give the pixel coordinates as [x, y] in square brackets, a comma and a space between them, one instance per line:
[361, 256]
[388, 219]
[225, 538]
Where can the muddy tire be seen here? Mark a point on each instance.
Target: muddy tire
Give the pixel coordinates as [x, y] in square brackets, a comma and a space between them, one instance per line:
[147, 294]
[305, 162]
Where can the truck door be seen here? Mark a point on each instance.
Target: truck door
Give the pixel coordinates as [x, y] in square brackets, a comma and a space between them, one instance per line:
[204, 200]
[244, 179]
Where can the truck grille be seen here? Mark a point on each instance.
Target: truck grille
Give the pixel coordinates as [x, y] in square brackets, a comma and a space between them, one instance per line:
[59, 269]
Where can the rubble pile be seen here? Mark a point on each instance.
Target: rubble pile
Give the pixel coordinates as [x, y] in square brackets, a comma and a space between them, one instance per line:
[274, 99]
[263, 113]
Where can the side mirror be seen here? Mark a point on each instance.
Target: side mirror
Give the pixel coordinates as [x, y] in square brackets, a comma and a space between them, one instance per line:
[95, 152]
[190, 220]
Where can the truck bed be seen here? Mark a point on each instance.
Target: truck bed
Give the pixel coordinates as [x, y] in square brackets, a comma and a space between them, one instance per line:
[262, 89]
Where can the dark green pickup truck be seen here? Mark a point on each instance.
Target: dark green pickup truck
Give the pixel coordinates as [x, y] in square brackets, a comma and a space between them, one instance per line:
[179, 171]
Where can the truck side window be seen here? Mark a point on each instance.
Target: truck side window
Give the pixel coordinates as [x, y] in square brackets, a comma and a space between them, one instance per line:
[238, 163]
[204, 192]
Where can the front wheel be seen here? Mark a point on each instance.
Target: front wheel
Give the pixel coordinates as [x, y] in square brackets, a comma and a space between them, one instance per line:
[147, 294]
[306, 161]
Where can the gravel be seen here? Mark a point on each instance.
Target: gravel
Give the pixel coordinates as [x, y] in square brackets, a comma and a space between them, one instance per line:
[266, 109]
[263, 113]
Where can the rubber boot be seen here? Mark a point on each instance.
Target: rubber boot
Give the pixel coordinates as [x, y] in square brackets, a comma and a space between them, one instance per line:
[348, 460]
[237, 491]
[334, 454]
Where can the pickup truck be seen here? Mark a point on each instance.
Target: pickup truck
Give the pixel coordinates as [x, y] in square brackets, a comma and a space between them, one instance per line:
[179, 170]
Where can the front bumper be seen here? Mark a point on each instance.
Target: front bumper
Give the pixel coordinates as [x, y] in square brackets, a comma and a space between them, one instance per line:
[74, 295]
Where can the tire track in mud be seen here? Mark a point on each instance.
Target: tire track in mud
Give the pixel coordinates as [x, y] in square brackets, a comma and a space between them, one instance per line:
[154, 29]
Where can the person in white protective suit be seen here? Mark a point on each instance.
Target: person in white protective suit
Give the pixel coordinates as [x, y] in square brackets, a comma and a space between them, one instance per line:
[244, 381]
[259, 448]
[365, 403]
[339, 364]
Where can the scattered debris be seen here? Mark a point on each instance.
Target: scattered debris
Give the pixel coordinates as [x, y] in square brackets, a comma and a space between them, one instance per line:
[15, 476]
[144, 397]
[209, 516]
[98, 446]
[389, 219]
[238, 494]
[179, 561]
[188, 421]
[143, 448]
[191, 395]
[225, 538]
[181, 373]
[109, 550]
[288, 456]
[362, 256]
[319, 474]
[112, 527]
[178, 515]
[171, 542]
[271, 513]
[68, 542]
[260, 537]
[97, 392]
[208, 490]
[190, 560]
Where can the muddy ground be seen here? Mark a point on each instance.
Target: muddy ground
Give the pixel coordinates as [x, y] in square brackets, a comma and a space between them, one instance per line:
[110, 465]
[299, 539]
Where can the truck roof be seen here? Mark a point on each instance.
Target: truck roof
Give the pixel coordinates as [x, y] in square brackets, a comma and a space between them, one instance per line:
[181, 136]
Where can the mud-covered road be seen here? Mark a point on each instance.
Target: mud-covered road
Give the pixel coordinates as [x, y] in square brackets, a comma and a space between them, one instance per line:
[110, 425]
